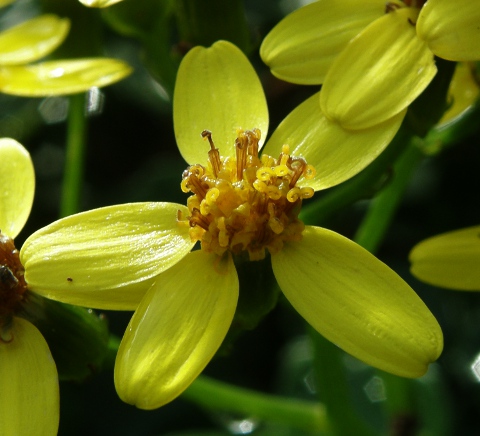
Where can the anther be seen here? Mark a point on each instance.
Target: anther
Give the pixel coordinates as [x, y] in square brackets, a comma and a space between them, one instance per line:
[213, 154]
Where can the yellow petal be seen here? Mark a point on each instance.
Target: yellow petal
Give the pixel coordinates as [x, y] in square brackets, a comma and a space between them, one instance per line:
[176, 330]
[379, 73]
[451, 28]
[17, 181]
[61, 77]
[336, 153]
[99, 3]
[358, 303]
[450, 260]
[29, 404]
[5, 2]
[301, 48]
[99, 258]
[462, 94]
[33, 39]
[217, 89]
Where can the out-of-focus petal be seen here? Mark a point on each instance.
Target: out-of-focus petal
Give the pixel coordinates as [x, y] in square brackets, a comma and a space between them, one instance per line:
[336, 153]
[17, 182]
[33, 39]
[5, 3]
[301, 48]
[379, 73]
[29, 404]
[61, 77]
[99, 258]
[176, 330]
[450, 260]
[217, 89]
[463, 93]
[451, 28]
[358, 303]
[99, 3]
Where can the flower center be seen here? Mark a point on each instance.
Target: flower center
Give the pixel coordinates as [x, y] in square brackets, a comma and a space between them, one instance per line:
[247, 203]
[12, 282]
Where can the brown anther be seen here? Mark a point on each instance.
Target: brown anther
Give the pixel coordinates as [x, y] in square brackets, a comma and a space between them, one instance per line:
[241, 155]
[197, 219]
[12, 282]
[213, 154]
[298, 166]
[193, 176]
[390, 7]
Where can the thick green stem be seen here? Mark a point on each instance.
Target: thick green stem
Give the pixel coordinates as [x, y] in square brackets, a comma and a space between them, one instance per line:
[333, 389]
[217, 395]
[75, 157]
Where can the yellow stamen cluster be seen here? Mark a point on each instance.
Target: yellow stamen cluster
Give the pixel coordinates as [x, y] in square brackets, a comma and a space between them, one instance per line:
[247, 203]
[12, 282]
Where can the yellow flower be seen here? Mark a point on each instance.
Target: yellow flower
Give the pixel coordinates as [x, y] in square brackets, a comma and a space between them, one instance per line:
[139, 256]
[450, 260]
[36, 38]
[99, 3]
[373, 58]
[29, 403]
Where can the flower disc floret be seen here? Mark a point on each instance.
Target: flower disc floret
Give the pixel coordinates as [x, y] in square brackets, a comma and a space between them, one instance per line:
[246, 203]
[12, 282]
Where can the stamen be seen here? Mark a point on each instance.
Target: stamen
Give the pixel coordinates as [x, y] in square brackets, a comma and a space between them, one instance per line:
[213, 154]
[246, 203]
[197, 219]
[241, 154]
[298, 166]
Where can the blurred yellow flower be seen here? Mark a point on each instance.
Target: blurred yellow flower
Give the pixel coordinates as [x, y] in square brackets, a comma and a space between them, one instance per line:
[373, 58]
[463, 93]
[99, 3]
[139, 256]
[38, 37]
[29, 403]
[450, 260]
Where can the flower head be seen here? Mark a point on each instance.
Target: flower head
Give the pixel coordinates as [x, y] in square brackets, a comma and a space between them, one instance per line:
[38, 37]
[242, 203]
[449, 260]
[373, 58]
[30, 400]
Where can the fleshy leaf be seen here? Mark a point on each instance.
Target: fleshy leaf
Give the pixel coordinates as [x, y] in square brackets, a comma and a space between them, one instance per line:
[450, 260]
[33, 39]
[61, 77]
[17, 181]
[217, 89]
[451, 29]
[379, 73]
[358, 303]
[29, 404]
[336, 153]
[104, 258]
[301, 48]
[99, 3]
[176, 330]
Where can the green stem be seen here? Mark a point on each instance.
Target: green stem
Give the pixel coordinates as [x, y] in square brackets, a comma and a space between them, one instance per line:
[384, 205]
[370, 234]
[75, 156]
[333, 389]
[217, 395]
